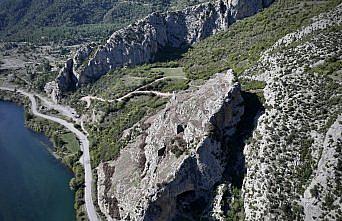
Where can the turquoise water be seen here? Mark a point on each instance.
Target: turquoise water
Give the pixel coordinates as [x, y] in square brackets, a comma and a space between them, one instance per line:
[33, 184]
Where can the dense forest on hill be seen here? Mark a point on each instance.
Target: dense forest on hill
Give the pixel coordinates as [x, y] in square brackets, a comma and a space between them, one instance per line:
[54, 20]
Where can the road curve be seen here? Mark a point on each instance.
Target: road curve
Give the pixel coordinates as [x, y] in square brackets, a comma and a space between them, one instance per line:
[88, 99]
[139, 91]
[84, 145]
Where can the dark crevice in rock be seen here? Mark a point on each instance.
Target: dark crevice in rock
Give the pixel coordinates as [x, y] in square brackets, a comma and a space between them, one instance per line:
[189, 206]
[180, 129]
[109, 171]
[235, 169]
[161, 151]
[113, 207]
[189, 202]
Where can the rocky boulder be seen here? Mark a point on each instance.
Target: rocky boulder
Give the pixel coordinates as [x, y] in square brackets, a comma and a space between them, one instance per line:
[170, 170]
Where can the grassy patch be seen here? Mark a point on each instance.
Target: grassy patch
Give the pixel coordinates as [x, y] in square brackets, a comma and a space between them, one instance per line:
[105, 135]
[250, 85]
[171, 72]
[169, 85]
[71, 142]
[236, 211]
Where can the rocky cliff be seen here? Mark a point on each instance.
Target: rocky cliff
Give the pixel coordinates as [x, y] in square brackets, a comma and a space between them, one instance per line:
[294, 159]
[140, 42]
[170, 171]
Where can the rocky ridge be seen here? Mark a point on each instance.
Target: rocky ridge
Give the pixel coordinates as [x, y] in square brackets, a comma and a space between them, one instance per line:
[294, 159]
[171, 169]
[140, 42]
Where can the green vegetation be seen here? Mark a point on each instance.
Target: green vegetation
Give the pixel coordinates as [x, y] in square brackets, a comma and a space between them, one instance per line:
[72, 143]
[241, 46]
[122, 81]
[169, 85]
[315, 191]
[105, 137]
[117, 83]
[252, 85]
[41, 78]
[44, 20]
[331, 67]
[77, 183]
[236, 211]
[170, 72]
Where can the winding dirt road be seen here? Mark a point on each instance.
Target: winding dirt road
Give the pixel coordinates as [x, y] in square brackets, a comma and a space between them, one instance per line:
[139, 91]
[84, 145]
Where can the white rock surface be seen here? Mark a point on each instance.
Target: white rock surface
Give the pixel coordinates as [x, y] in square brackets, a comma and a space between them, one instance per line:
[296, 145]
[179, 157]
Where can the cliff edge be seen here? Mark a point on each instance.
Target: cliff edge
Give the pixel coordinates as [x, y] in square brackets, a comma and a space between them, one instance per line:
[170, 171]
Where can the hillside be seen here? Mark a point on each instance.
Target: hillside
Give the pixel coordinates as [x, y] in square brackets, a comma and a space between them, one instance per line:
[32, 19]
[201, 114]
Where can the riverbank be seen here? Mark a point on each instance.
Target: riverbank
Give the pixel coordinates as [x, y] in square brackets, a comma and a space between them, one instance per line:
[55, 132]
[33, 185]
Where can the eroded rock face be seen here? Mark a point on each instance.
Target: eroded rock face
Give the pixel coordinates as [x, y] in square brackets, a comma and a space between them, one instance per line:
[170, 170]
[242, 9]
[139, 42]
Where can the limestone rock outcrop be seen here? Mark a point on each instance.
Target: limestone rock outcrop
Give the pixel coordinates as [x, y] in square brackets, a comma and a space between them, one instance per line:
[65, 81]
[242, 9]
[140, 42]
[171, 169]
[293, 161]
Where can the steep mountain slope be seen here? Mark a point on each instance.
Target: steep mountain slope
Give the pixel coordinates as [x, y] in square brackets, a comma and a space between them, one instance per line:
[140, 42]
[23, 15]
[294, 159]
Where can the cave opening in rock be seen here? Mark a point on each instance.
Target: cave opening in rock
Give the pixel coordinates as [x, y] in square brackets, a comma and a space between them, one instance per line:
[180, 129]
[190, 206]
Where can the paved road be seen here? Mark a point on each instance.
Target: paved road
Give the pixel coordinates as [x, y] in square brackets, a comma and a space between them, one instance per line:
[64, 110]
[85, 159]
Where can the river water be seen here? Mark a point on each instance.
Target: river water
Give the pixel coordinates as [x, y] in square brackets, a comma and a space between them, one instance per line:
[33, 184]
